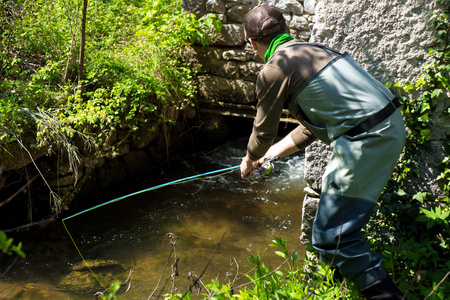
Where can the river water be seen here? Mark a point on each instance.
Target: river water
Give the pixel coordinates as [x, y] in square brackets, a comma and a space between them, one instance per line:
[133, 233]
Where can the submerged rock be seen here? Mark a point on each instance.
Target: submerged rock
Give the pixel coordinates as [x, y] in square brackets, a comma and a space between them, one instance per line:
[81, 278]
[31, 291]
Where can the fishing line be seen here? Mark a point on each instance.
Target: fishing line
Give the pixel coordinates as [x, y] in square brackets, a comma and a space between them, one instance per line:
[206, 175]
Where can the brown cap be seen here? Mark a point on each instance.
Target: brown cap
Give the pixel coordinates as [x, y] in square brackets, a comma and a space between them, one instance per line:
[262, 21]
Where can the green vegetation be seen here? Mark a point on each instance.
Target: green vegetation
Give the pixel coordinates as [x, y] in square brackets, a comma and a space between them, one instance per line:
[133, 72]
[133, 68]
[301, 279]
[8, 248]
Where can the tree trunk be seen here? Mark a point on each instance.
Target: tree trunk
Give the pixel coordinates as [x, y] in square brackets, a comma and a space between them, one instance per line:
[82, 45]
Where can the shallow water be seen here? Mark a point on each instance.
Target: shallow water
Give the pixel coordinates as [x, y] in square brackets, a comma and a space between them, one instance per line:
[133, 232]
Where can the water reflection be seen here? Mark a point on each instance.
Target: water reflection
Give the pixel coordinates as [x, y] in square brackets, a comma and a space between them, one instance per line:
[133, 232]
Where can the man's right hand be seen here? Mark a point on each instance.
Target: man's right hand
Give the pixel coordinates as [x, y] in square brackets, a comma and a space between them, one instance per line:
[247, 167]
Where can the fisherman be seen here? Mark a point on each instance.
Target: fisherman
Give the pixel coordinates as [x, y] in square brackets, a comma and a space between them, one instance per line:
[341, 104]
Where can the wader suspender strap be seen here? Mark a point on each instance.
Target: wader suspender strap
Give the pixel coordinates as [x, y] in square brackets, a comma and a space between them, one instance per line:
[375, 119]
[367, 124]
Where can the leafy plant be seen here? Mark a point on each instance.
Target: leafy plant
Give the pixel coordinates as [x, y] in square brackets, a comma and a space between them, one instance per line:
[7, 247]
[111, 292]
[134, 73]
[134, 67]
[307, 280]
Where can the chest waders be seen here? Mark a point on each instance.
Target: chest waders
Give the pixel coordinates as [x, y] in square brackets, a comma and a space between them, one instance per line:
[345, 107]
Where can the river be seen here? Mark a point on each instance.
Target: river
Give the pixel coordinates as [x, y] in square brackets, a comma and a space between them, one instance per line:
[133, 233]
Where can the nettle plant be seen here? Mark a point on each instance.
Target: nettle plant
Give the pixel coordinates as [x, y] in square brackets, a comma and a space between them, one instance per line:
[412, 231]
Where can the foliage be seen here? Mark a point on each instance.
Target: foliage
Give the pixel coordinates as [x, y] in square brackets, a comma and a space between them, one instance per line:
[7, 247]
[412, 231]
[134, 72]
[134, 68]
[111, 292]
[307, 280]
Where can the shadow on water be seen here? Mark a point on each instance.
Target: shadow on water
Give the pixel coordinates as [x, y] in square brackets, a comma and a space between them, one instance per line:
[132, 233]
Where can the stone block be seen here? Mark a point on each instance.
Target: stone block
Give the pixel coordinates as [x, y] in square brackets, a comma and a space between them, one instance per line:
[136, 162]
[228, 69]
[231, 35]
[287, 6]
[310, 6]
[250, 70]
[146, 134]
[215, 6]
[317, 156]
[309, 209]
[237, 13]
[197, 7]
[234, 54]
[299, 23]
[227, 90]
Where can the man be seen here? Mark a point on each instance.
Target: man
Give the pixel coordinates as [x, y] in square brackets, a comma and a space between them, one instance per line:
[339, 103]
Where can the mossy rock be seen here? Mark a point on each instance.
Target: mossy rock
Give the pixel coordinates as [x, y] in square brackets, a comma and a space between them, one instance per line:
[81, 278]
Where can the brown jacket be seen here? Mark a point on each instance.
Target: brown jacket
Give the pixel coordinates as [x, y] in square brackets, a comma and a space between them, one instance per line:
[283, 74]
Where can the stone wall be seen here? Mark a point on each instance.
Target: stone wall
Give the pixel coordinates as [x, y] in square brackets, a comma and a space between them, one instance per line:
[390, 39]
[229, 66]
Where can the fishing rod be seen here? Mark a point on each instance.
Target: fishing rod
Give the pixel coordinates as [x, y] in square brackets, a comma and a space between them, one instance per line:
[265, 169]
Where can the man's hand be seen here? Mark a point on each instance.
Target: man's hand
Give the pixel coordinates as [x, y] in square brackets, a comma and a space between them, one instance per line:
[247, 167]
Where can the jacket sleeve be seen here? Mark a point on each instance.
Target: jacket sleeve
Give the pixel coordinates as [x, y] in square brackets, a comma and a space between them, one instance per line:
[271, 92]
[302, 137]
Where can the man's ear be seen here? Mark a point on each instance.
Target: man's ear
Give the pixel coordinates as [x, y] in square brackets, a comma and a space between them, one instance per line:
[253, 43]
[288, 29]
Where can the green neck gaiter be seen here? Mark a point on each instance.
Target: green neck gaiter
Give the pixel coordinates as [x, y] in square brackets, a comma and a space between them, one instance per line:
[277, 41]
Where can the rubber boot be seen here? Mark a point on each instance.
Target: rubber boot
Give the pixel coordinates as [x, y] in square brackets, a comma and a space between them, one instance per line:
[382, 289]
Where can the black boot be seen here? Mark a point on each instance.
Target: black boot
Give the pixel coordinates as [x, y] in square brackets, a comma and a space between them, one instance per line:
[382, 289]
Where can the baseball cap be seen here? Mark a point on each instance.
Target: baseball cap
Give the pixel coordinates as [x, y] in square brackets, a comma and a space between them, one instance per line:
[262, 21]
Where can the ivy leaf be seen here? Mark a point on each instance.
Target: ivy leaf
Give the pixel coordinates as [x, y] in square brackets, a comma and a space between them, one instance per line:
[424, 117]
[425, 133]
[437, 92]
[400, 192]
[409, 87]
[421, 196]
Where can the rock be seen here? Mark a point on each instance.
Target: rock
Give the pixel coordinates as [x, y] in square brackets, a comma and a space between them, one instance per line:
[215, 6]
[231, 35]
[227, 90]
[234, 54]
[80, 277]
[227, 69]
[146, 134]
[31, 291]
[197, 7]
[112, 171]
[250, 70]
[310, 6]
[316, 159]
[387, 38]
[136, 162]
[237, 13]
[17, 157]
[214, 127]
[298, 23]
[309, 209]
[287, 6]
